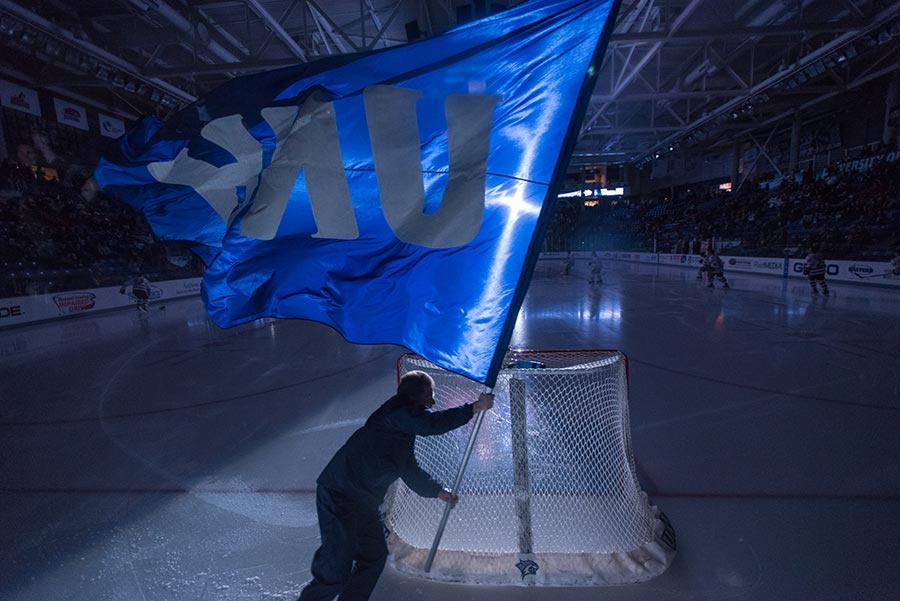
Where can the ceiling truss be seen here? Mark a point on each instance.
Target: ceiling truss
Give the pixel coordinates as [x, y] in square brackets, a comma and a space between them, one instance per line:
[677, 73]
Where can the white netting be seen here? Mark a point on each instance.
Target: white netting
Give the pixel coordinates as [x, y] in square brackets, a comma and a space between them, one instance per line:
[551, 479]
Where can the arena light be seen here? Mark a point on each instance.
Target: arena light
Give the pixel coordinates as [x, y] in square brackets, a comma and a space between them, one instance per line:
[10, 27]
[87, 63]
[29, 36]
[52, 48]
[44, 37]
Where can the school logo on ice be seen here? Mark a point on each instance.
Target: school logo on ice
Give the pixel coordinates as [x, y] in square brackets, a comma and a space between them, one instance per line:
[527, 567]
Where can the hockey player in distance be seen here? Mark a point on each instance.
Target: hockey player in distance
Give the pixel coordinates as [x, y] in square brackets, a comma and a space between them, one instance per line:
[895, 265]
[140, 288]
[568, 264]
[715, 269]
[702, 269]
[596, 269]
[352, 487]
[814, 270]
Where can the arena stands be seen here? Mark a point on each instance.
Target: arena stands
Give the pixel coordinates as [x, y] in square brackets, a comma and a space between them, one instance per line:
[850, 214]
[59, 237]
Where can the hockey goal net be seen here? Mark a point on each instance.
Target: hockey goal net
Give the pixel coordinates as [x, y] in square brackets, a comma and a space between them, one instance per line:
[550, 495]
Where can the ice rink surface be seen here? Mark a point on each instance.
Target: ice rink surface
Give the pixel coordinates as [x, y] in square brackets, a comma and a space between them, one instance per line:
[162, 458]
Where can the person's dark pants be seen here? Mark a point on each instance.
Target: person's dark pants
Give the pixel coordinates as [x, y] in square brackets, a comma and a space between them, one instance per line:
[353, 550]
[820, 278]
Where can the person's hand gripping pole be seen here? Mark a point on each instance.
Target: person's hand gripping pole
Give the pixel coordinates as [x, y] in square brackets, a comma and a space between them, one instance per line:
[450, 497]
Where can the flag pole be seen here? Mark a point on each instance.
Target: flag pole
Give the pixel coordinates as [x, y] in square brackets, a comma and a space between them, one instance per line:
[587, 86]
[559, 174]
[456, 485]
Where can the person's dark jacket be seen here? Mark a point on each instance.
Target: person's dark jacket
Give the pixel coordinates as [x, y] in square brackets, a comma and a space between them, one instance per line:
[383, 450]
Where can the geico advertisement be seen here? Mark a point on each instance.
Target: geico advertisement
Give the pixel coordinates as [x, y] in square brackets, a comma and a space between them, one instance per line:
[871, 272]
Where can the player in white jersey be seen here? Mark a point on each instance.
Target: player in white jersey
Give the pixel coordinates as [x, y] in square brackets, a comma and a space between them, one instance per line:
[140, 289]
[702, 269]
[814, 270]
[715, 269]
[568, 264]
[596, 269]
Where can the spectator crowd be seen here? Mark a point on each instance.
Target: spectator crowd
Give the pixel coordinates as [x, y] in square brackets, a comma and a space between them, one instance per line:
[849, 215]
[59, 232]
[63, 233]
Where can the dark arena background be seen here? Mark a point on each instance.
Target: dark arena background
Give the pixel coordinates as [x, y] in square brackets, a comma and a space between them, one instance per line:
[147, 454]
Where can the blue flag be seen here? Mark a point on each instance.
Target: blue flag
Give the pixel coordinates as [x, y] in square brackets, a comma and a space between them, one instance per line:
[398, 196]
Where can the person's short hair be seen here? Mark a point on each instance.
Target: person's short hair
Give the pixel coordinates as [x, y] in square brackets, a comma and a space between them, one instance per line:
[412, 384]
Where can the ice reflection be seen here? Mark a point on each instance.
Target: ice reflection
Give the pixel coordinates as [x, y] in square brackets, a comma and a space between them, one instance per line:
[574, 310]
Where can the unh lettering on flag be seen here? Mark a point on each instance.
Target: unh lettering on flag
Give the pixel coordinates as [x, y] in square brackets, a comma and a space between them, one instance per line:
[398, 196]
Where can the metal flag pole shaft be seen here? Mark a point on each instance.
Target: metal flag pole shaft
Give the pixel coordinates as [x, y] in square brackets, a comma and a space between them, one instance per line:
[456, 485]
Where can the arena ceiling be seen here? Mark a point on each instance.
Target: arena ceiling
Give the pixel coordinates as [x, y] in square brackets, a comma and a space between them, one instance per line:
[677, 74]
